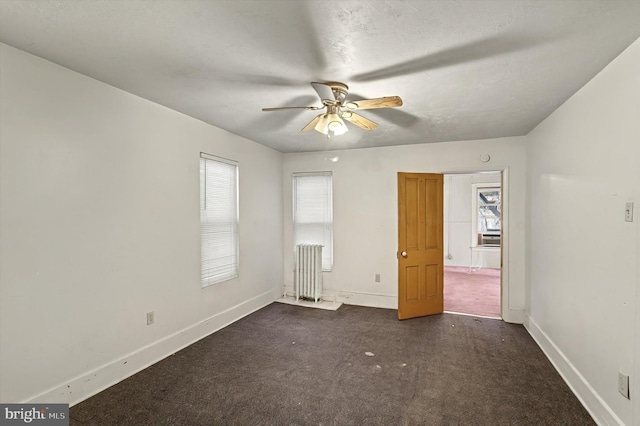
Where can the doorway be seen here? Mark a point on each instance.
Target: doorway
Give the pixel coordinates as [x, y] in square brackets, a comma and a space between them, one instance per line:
[473, 230]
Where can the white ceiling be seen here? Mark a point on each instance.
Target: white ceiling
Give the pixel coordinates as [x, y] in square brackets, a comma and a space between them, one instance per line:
[465, 69]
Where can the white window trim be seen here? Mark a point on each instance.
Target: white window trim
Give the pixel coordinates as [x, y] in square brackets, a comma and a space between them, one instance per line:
[302, 174]
[475, 187]
[219, 159]
[237, 202]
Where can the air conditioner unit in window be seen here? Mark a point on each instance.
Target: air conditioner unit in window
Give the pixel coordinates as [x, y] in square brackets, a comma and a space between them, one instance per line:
[489, 240]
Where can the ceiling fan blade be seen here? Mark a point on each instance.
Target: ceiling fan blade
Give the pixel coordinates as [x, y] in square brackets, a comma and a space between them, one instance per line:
[386, 102]
[281, 108]
[393, 115]
[312, 124]
[359, 120]
[323, 90]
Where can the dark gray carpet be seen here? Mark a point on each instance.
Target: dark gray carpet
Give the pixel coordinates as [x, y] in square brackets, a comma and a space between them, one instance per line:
[288, 365]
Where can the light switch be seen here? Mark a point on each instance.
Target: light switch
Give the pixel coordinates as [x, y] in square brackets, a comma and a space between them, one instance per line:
[623, 384]
[628, 212]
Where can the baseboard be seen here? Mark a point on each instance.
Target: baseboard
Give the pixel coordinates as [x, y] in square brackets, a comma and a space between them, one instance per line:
[390, 301]
[592, 402]
[92, 382]
[358, 298]
[372, 300]
[513, 316]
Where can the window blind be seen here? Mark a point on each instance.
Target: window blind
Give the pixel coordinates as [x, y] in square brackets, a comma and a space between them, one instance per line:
[218, 219]
[313, 213]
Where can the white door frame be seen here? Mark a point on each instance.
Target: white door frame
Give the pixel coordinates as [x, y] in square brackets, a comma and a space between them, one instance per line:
[504, 245]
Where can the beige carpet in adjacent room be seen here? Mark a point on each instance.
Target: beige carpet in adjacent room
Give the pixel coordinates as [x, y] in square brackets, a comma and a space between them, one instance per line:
[472, 291]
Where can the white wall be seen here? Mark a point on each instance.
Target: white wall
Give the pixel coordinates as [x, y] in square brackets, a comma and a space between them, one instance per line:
[584, 164]
[100, 224]
[365, 212]
[458, 217]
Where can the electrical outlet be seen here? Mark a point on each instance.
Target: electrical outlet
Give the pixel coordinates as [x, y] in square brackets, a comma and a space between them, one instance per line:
[628, 212]
[150, 318]
[623, 384]
[377, 278]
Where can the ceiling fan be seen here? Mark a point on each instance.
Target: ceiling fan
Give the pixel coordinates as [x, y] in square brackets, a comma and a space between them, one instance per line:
[334, 98]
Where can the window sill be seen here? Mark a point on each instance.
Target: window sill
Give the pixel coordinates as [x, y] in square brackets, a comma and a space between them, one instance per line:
[486, 248]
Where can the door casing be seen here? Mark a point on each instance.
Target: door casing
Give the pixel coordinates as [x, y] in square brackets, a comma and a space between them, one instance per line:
[505, 313]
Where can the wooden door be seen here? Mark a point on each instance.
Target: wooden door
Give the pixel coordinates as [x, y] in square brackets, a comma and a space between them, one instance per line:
[420, 245]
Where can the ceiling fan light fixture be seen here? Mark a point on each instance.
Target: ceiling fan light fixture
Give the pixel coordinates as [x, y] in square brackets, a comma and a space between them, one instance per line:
[334, 98]
[323, 124]
[331, 124]
[337, 128]
[336, 125]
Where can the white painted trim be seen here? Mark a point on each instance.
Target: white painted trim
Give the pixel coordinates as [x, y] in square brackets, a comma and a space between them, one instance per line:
[358, 298]
[219, 159]
[475, 187]
[513, 316]
[586, 394]
[372, 300]
[505, 312]
[490, 249]
[92, 382]
[634, 391]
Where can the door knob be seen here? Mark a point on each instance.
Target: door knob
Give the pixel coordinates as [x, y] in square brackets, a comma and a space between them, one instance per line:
[404, 254]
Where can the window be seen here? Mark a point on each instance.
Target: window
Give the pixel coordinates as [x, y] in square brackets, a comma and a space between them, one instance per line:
[313, 213]
[488, 215]
[218, 219]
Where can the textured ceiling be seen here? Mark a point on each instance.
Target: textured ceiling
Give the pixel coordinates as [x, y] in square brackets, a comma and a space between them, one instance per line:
[465, 69]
